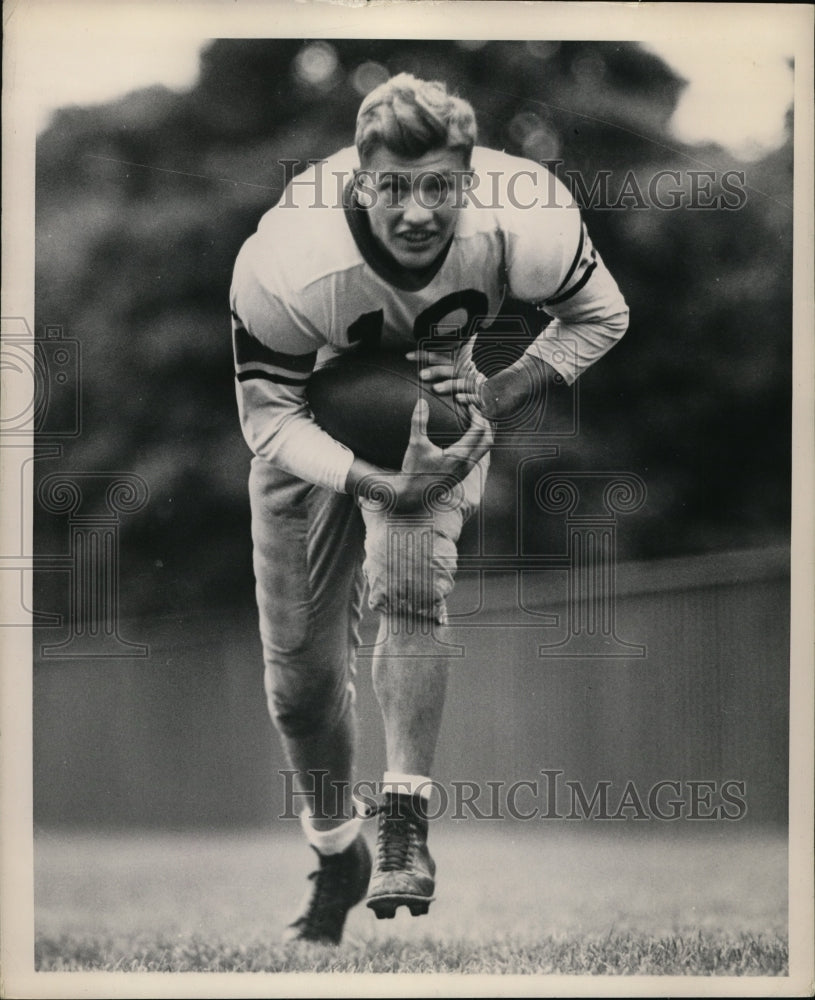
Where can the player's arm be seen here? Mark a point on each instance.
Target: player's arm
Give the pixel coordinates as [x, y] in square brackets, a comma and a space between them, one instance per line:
[589, 312]
[275, 417]
[589, 316]
[275, 350]
[551, 262]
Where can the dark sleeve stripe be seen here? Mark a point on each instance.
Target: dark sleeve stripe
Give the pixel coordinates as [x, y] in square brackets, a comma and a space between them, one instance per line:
[249, 350]
[575, 262]
[575, 288]
[245, 376]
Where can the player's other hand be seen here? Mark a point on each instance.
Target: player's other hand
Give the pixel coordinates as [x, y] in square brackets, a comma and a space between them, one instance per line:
[509, 392]
[457, 377]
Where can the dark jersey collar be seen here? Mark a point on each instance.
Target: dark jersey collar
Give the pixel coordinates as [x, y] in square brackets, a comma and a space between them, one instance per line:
[378, 259]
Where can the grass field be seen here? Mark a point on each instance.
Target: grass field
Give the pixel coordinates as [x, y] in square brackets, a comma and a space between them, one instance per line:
[584, 899]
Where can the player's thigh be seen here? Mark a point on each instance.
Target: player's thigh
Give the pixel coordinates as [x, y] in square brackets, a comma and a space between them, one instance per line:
[307, 556]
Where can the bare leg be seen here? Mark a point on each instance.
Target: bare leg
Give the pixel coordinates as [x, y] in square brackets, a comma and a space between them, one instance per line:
[410, 689]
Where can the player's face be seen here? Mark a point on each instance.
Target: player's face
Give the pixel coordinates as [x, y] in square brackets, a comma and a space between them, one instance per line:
[413, 204]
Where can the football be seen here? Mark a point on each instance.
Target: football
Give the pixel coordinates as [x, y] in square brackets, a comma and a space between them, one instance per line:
[366, 401]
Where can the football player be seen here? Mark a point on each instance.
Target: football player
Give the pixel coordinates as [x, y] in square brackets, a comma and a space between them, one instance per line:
[430, 231]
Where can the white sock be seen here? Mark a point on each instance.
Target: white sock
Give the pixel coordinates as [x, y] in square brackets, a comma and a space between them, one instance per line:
[407, 784]
[334, 840]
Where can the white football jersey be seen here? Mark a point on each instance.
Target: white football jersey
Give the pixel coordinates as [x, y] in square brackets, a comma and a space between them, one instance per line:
[312, 282]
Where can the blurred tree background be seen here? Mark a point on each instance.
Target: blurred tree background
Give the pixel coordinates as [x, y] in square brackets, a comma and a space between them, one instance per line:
[143, 203]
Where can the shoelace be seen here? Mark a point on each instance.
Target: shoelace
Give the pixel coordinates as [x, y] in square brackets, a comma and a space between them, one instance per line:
[394, 843]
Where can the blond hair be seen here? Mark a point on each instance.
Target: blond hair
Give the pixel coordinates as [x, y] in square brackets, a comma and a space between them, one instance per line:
[411, 117]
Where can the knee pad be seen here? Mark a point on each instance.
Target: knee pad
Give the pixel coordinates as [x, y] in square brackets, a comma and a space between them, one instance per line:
[410, 565]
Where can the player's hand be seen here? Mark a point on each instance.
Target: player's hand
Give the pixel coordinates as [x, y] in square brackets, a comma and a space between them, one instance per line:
[453, 463]
[457, 377]
[424, 465]
[509, 392]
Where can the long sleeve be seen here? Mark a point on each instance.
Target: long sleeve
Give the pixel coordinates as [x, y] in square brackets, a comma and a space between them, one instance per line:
[551, 261]
[275, 351]
[589, 314]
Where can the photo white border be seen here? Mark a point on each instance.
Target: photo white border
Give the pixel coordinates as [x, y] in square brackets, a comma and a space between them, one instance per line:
[24, 22]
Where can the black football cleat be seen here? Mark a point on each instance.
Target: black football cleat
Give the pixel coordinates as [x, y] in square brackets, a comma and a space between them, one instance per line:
[404, 873]
[339, 883]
